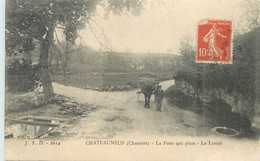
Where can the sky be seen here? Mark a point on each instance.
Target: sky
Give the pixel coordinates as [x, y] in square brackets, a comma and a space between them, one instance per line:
[160, 26]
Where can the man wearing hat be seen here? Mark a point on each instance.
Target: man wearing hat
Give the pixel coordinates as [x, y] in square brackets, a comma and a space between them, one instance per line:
[158, 95]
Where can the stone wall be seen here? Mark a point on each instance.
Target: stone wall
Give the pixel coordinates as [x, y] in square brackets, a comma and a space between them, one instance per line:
[239, 104]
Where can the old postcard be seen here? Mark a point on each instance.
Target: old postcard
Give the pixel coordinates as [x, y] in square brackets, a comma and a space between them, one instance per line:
[132, 80]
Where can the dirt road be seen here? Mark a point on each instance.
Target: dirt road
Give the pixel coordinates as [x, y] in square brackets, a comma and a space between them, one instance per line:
[120, 114]
[121, 117]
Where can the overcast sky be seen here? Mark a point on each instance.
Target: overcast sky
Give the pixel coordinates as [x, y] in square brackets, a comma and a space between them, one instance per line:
[160, 26]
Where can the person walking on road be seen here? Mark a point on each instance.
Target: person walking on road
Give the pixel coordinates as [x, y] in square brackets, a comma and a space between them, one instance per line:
[159, 95]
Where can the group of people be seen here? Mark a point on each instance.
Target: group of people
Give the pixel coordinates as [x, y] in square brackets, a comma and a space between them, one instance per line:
[148, 90]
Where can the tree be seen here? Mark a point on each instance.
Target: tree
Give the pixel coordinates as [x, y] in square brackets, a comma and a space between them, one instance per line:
[29, 22]
[240, 77]
[60, 53]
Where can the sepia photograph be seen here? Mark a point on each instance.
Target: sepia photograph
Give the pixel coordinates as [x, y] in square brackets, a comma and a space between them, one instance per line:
[132, 80]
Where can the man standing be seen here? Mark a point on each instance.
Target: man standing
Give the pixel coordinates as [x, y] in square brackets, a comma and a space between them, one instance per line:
[159, 95]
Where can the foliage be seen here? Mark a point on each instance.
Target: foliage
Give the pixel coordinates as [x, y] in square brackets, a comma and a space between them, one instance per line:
[240, 76]
[178, 98]
[32, 22]
[222, 114]
[117, 6]
[21, 76]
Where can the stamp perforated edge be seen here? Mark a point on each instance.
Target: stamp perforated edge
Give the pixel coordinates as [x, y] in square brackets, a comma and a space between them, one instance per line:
[231, 52]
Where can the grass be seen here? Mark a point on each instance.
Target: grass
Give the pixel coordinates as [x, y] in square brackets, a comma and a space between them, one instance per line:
[83, 80]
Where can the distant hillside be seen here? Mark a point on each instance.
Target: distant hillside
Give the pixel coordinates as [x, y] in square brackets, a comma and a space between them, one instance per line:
[87, 60]
[87, 67]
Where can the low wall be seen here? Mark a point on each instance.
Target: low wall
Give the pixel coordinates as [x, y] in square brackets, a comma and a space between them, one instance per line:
[239, 104]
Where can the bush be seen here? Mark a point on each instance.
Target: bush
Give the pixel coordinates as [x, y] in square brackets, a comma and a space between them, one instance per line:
[239, 77]
[21, 76]
[218, 106]
[217, 109]
[178, 98]
[222, 114]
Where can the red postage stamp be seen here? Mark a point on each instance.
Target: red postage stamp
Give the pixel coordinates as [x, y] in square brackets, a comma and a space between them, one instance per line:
[214, 41]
